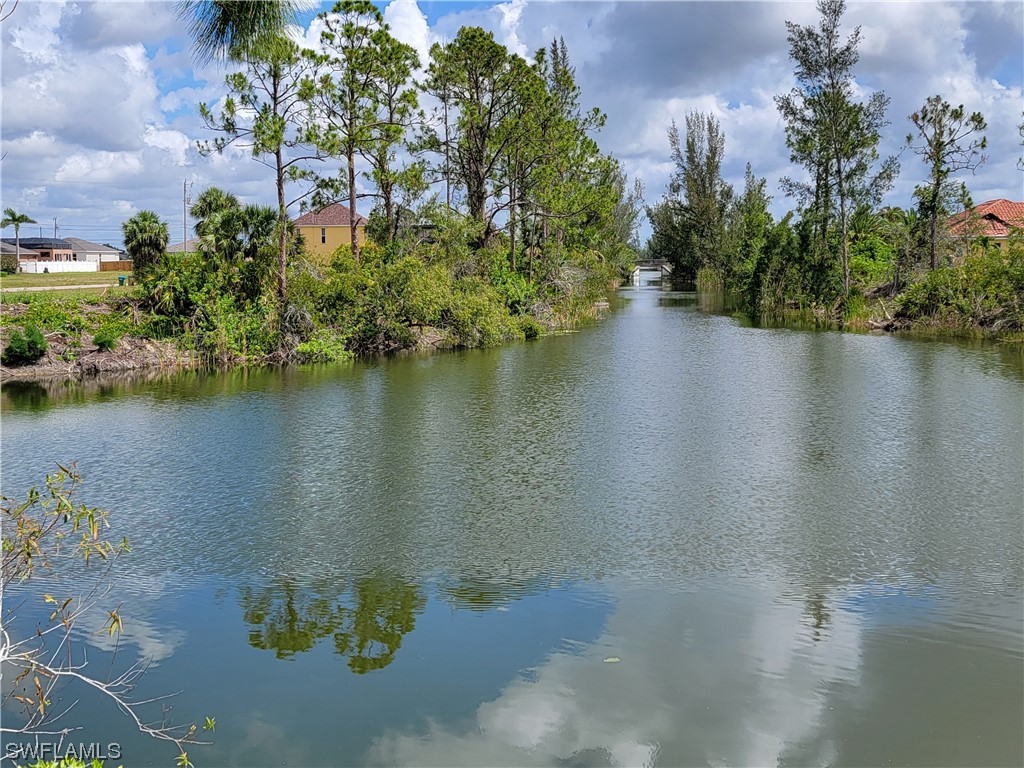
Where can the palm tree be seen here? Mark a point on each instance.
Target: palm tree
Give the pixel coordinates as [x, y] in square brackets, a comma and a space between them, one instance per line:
[211, 201]
[14, 219]
[231, 29]
[145, 239]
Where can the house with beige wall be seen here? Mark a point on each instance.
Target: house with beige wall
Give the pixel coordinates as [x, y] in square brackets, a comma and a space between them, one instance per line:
[325, 229]
[85, 250]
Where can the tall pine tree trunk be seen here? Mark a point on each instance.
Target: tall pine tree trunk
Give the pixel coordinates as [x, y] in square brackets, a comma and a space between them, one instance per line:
[282, 235]
[351, 158]
[844, 226]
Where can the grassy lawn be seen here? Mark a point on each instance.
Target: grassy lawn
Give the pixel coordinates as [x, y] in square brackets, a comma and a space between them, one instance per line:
[63, 278]
[28, 297]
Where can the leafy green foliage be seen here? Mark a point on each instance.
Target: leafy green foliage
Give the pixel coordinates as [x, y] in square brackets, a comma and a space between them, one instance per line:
[49, 525]
[105, 340]
[24, 348]
[986, 291]
[54, 315]
[832, 134]
[324, 346]
[384, 302]
[111, 330]
[220, 301]
[220, 308]
[871, 261]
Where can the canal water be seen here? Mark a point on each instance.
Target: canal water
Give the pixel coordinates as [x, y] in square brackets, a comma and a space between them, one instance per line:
[668, 539]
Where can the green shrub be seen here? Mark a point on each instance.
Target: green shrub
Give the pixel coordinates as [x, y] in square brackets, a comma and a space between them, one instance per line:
[24, 348]
[986, 290]
[478, 317]
[105, 339]
[325, 346]
[9, 263]
[219, 308]
[530, 326]
[871, 261]
[516, 291]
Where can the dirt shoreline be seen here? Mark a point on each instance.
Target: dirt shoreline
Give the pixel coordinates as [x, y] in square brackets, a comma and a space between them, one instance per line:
[63, 361]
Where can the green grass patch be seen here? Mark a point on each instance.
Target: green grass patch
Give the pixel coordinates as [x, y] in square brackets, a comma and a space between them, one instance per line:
[93, 295]
[24, 280]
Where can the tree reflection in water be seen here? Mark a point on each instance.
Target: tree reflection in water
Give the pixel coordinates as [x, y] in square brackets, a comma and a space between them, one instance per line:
[367, 621]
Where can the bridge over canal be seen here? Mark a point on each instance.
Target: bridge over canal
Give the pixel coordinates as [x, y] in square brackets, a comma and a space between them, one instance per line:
[660, 266]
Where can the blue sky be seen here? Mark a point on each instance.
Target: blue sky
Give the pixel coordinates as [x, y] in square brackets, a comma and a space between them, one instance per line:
[99, 120]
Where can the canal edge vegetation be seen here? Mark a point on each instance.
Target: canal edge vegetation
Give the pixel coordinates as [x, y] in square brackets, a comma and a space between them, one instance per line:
[838, 260]
[535, 224]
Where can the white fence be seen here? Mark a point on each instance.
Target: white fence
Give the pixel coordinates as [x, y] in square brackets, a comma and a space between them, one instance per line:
[37, 267]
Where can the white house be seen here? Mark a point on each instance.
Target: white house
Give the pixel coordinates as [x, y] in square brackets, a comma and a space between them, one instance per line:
[84, 250]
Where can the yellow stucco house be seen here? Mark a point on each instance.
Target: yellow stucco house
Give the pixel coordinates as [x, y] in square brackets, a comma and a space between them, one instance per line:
[324, 230]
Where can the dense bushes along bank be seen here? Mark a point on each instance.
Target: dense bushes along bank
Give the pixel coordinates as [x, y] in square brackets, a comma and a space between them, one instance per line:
[980, 294]
[496, 215]
[213, 313]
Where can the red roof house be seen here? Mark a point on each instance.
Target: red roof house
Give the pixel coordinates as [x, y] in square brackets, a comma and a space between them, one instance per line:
[993, 219]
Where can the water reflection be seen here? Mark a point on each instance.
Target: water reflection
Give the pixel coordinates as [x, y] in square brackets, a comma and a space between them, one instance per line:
[478, 593]
[24, 395]
[725, 675]
[804, 547]
[366, 623]
[720, 677]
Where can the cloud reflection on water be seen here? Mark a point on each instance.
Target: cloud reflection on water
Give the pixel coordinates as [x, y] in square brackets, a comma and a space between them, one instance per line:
[719, 677]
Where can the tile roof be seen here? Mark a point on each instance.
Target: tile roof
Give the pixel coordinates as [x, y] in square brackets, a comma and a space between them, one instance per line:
[994, 218]
[334, 215]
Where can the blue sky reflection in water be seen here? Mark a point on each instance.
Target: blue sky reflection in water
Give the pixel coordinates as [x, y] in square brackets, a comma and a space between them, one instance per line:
[803, 548]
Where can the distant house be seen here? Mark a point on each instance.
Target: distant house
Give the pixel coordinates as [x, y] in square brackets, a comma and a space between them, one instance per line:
[46, 248]
[26, 253]
[50, 254]
[326, 229]
[189, 246]
[993, 219]
[83, 250]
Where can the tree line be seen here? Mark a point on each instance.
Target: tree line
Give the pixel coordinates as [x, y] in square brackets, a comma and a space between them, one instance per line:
[362, 118]
[476, 160]
[838, 246]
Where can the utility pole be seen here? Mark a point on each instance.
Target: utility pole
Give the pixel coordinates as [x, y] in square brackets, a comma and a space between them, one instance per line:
[54, 227]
